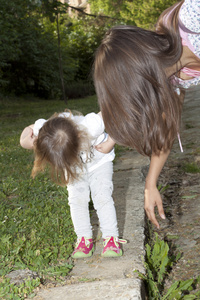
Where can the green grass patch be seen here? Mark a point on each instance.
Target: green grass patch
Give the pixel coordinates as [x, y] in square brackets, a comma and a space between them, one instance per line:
[36, 231]
[189, 126]
[191, 168]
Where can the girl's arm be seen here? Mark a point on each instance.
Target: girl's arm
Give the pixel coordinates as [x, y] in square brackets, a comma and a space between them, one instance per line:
[27, 137]
[152, 196]
[106, 146]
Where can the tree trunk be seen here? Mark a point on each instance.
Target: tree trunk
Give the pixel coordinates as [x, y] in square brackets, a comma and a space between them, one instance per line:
[60, 61]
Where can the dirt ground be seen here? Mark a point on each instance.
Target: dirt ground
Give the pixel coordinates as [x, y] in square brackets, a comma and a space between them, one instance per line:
[181, 198]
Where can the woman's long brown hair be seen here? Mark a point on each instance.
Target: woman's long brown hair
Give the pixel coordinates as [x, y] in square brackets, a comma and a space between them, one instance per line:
[138, 103]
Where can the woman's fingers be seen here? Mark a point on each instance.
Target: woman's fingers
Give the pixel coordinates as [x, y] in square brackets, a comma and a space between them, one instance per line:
[151, 216]
[153, 199]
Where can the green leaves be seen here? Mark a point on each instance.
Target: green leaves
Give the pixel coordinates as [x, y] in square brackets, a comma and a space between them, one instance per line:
[142, 13]
[13, 292]
[26, 50]
[178, 289]
[158, 263]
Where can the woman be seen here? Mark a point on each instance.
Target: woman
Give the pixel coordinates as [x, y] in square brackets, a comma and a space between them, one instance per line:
[140, 77]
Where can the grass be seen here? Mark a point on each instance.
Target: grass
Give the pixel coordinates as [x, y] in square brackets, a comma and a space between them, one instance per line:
[191, 168]
[36, 230]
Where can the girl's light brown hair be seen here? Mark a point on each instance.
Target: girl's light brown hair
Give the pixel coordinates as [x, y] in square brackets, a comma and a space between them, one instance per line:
[58, 145]
[138, 103]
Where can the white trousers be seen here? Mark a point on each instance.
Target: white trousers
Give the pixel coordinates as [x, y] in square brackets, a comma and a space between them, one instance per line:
[99, 185]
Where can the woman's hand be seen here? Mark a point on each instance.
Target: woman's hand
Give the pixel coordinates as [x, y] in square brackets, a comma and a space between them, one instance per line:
[152, 198]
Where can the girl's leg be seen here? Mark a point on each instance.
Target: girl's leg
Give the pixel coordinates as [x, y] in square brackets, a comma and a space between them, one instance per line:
[101, 186]
[79, 197]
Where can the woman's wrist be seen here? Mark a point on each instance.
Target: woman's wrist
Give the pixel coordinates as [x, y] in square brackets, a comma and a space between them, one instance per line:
[150, 182]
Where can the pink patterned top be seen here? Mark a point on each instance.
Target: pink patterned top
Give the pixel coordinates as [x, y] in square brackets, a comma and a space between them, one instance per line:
[189, 28]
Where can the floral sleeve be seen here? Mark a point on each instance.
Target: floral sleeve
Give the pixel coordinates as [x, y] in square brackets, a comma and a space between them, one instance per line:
[190, 15]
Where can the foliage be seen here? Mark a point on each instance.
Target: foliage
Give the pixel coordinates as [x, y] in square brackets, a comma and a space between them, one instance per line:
[83, 38]
[26, 50]
[111, 8]
[44, 51]
[42, 47]
[79, 89]
[158, 264]
[142, 13]
[36, 230]
[145, 12]
[180, 290]
[10, 291]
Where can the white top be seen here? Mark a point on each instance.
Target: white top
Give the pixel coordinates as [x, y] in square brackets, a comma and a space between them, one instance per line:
[95, 127]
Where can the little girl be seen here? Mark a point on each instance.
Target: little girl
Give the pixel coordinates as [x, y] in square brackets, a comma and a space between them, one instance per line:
[73, 146]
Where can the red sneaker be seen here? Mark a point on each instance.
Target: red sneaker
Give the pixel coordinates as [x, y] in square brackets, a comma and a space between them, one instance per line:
[84, 248]
[112, 247]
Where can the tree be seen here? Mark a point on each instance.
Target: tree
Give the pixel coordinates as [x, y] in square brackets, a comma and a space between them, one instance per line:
[42, 50]
[53, 9]
[111, 8]
[142, 13]
[29, 52]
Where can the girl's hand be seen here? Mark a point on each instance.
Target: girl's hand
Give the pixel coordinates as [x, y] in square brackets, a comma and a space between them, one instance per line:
[27, 138]
[104, 147]
[152, 198]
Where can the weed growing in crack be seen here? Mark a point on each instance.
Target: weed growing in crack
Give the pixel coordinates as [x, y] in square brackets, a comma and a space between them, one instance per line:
[158, 264]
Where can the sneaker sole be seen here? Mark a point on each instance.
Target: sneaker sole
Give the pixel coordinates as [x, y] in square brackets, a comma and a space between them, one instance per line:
[82, 254]
[111, 253]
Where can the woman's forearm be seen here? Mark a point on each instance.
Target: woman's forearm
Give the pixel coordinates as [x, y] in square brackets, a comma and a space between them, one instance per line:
[155, 168]
[152, 197]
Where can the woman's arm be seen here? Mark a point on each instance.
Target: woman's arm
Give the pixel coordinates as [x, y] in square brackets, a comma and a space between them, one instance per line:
[152, 195]
[27, 137]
